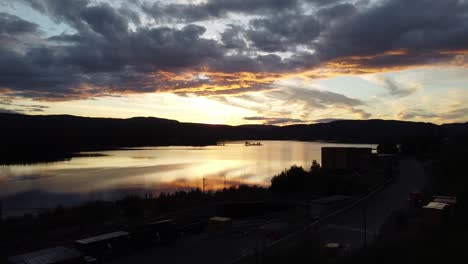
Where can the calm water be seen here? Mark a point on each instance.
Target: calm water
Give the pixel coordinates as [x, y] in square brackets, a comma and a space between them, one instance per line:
[113, 174]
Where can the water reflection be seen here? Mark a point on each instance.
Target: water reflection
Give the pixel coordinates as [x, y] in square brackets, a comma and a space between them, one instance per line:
[112, 174]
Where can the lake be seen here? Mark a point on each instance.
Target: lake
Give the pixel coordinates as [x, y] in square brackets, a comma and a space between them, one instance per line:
[108, 175]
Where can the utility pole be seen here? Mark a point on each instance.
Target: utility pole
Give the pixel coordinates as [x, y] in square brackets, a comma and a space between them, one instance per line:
[225, 181]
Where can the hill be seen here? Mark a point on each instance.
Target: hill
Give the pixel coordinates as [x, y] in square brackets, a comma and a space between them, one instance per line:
[26, 138]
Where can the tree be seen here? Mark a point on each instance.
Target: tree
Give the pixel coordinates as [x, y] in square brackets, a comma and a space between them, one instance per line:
[291, 180]
[315, 168]
[387, 148]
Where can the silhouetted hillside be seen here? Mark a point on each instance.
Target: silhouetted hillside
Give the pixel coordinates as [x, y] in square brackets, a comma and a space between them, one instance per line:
[366, 131]
[27, 138]
[455, 130]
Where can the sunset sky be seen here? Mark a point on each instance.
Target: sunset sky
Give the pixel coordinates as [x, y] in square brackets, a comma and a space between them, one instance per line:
[236, 61]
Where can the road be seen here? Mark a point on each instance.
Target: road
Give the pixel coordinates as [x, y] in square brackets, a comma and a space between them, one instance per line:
[347, 228]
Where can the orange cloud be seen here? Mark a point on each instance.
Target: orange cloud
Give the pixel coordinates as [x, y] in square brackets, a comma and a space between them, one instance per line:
[206, 82]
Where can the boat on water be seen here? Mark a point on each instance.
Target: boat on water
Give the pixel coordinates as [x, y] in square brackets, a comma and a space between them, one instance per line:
[247, 144]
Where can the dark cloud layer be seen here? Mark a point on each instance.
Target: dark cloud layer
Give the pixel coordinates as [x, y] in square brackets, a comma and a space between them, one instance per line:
[420, 26]
[215, 9]
[285, 31]
[13, 25]
[111, 51]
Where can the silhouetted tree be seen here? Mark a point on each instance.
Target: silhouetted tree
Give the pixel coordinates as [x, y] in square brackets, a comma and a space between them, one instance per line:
[315, 168]
[132, 207]
[387, 148]
[291, 180]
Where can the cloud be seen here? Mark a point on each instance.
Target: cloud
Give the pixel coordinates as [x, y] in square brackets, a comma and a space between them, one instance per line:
[232, 38]
[28, 177]
[7, 111]
[215, 9]
[456, 114]
[274, 121]
[294, 102]
[317, 98]
[21, 108]
[13, 25]
[283, 32]
[415, 113]
[422, 27]
[326, 120]
[396, 89]
[123, 48]
[298, 104]
[361, 113]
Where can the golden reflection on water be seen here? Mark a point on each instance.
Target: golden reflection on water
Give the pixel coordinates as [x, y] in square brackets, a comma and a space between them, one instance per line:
[163, 168]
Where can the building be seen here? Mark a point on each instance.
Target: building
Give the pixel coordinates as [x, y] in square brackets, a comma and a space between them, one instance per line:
[55, 255]
[435, 214]
[105, 245]
[336, 158]
[446, 199]
[154, 233]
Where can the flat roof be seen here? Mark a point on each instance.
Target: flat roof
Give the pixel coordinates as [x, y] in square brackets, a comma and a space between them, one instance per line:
[160, 222]
[332, 245]
[102, 237]
[46, 256]
[448, 200]
[445, 199]
[220, 219]
[436, 205]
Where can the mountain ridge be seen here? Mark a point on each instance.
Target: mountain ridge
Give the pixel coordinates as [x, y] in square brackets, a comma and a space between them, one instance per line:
[30, 136]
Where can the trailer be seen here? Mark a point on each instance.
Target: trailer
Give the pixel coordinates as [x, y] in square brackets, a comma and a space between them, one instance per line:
[106, 245]
[155, 233]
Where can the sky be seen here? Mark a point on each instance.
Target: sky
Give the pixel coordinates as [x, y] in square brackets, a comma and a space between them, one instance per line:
[275, 62]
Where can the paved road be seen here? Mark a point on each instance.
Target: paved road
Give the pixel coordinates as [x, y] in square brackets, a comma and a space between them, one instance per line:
[347, 228]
